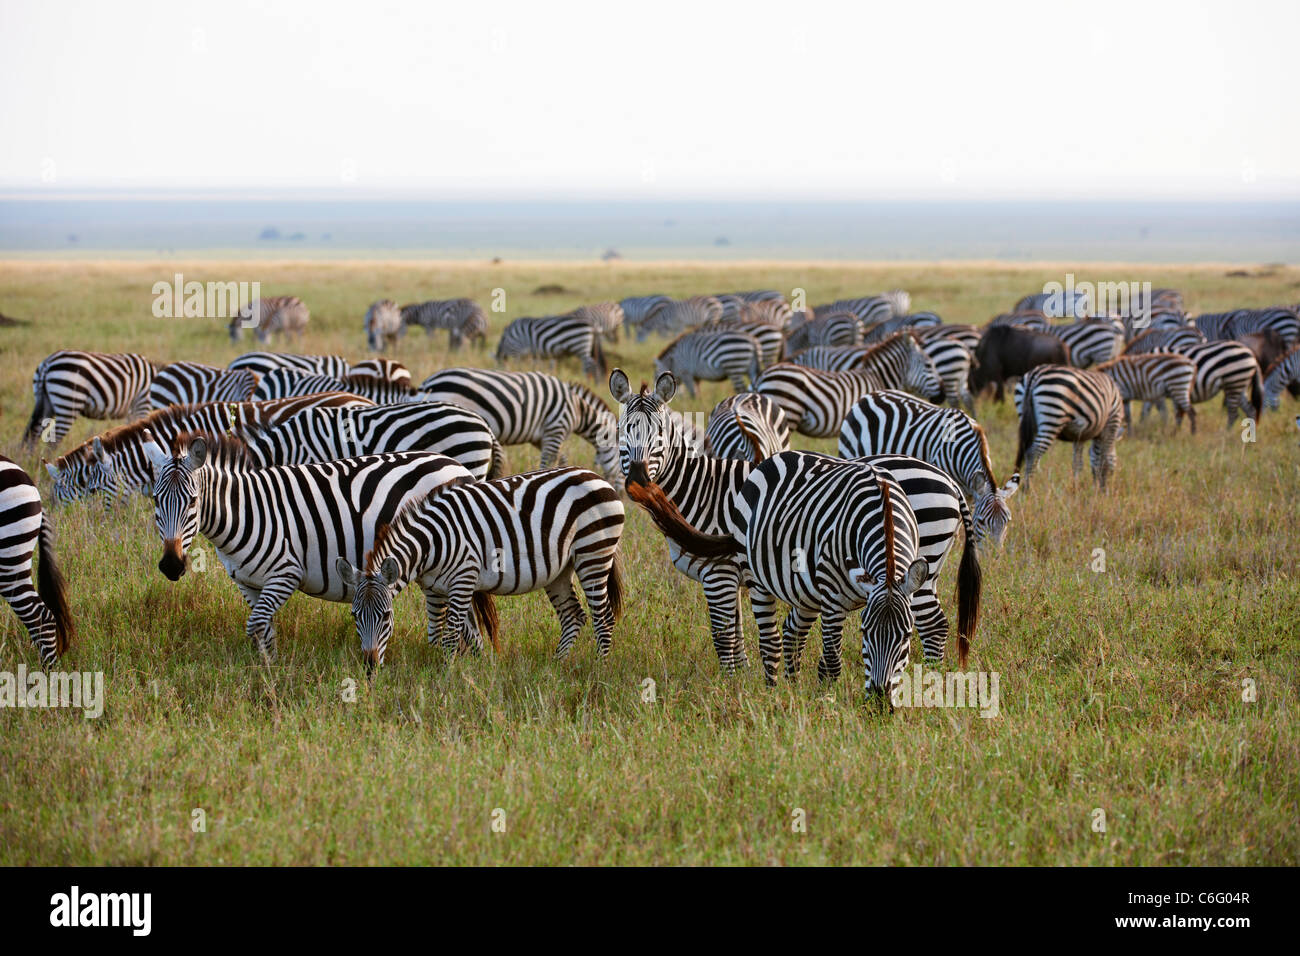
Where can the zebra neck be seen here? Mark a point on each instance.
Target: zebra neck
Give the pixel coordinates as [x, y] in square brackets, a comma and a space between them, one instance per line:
[700, 485]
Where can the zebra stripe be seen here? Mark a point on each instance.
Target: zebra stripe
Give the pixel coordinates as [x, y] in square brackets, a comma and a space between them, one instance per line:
[268, 315]
[509, 536]
[831, 329]
[185, 383]
[69, 384]
[1282, 374]
[1229, 367]
[263, 362]
[1091, 342]
[681, 315]
[1153, 377]
[895, 423]
[285, 383]
[1074, 405]
[871, 309]
[952, 363]
[281, 530]
[532, 408]
[383, 325]
[25, 528]
[462, 318]
[748, 426]
[770, 339]
[639, 309]
[1065, 304]
[1176, 339]
[711, 356]
[553, 337]
[605, 317]
[1231, 325]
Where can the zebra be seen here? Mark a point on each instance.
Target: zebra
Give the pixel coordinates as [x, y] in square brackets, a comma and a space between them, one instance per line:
[1091, 341]
[870, 310]
[283, 313]
[605, 317]
[711, 356]
[1074, 405]
[1282, 374]
[770, 338]
[552, 337]
[1064, 304]
[1231, 325]
[826, 536]
[508, 536]
[43, 610]
[379, 369]
[263, 362]
[280, 530]
[326, 433]
[114, 464]
[967, 335]
[831, 329]
[184, 383]
[774, 312]
[532, 408]
[1229, 367]
[462, 318]
[639, 309]
[680, 315]
[383, 325]
[952, 363]
[914, 321]
[1137, 322]
[284, 383]
[1177, 339]
[895, 423]
[97, 385]
[748, 426]
[1153, 377]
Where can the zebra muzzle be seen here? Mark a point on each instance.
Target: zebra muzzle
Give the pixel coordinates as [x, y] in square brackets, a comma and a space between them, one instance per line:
[172, 564]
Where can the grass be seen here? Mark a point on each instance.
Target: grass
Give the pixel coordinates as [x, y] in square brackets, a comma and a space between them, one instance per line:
[1120, 691]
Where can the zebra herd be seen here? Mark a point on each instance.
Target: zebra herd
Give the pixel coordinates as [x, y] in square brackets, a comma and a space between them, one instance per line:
[348, 481]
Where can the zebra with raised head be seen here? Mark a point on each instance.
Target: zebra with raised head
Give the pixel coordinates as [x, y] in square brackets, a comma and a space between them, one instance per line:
[1072, 404]
[640, 309]
[827, 537]
[327, 433]
[509, 536]
[1153, 340]
[553, 337]
[1284, 374]
[532, 408]
[69, 384]
[262, 362]
[185, 383]
[1091, 341]
[285, 383]
[383, 325]
[711, 356]
[114, 464]
[26, 529]
[1228, 367]
[1151, 378]
[270, 314]
[748, 426]
[895, 423]
[605, 317]
[770, 339]
[281, 530]
[462, 318]
[831, 329]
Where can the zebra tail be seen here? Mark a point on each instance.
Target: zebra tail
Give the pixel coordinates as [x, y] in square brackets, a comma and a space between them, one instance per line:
[614, 587]
[497, 468]
[598, 353]
[1028, 427]
[675, 526]
[43, 409]
[53, 589]
[970, 580]
[1257, 394]
[485, 614]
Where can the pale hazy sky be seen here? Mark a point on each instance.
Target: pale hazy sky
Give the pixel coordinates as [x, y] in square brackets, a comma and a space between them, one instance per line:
[655, 100]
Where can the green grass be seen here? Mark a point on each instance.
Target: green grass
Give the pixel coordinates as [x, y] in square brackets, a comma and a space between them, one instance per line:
[1120, 690]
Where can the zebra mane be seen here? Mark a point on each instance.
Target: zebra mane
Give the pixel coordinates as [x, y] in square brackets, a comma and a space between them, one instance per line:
[402, 517]
[888, 520]
[985, 459]
[224, 451]
[116, 438]
[880, 347]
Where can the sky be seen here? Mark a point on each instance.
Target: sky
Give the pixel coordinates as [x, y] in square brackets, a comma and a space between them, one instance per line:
[837, 100]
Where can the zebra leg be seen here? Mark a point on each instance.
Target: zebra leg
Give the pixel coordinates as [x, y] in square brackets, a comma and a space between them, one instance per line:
[832, 663]
[738, 382]
[35, 616]
[1078, 459]
[794, 637]
[272, 597]
[931, 622]
[460, 634]
[721, 582]
[593, 575]
[769, 646]
[568, 610]
[435, 610]
[552, 439]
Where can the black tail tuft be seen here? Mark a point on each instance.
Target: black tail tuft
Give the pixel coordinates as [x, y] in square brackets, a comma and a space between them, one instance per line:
[54, 590]
[1028, 427]
[1257, 395]
[970, 581]
[614, 588]
[497, 468]
[485, 614]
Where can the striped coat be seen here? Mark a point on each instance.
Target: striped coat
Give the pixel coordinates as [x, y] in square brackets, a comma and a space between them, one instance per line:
[605, 317]
[748, 426]
[284, 383]
[1074, 405]
[262, 362]
[1281, 375]
[553, 337]
[711, 356]
[269, 315]
[1153, 377]
[1091, 342]
[70, 384]
[383, 324]
[464, 319]
[185, 383]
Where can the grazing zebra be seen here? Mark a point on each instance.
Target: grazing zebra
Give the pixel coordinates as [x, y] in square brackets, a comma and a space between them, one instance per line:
[184, 383]
[280, 530]
[952, 363]
[282, 313]
[1230, 325]
[1072, 404]
[768, 300]
[1091, 341]
[284, 383]
[553, 337]
[639, 309]
[770, 339]
[711, 356]
[831, 329]
[114, 464]
[1178, 340]
[462, 318]
[748, 426]
[1282, 374]
[605, 317]
[26, 528]
[895, 423]
[681, 315]
[326, 433]
[263, 362]
[1229, 367]
[1153, 377]
[827, 536]
[1065, 304]
[532, 408]
[509, 536]
[383, 324]
[97, 385]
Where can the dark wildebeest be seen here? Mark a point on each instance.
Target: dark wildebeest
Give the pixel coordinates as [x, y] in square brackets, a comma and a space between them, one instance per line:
[1268, 346]
[1009, 351]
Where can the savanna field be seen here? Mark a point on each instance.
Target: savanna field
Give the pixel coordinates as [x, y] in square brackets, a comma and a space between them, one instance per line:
[1121, 690]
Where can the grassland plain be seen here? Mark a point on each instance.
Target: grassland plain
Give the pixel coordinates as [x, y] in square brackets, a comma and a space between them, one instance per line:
[1121, 690]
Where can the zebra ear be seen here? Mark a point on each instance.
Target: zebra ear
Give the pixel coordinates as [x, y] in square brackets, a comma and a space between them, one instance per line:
[153, 451]
[346, 571]
[389, 571]
[1010, 488]
[914, 577]
[99, 451]
[51, 468]
[618, 386]
[198, 452]
[665, 387]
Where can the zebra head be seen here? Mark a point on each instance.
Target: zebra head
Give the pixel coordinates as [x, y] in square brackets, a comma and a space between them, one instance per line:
[69, 475]
[372, 606]
[991, 514]
[176, 500]
[887, 617]
[643, 425]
